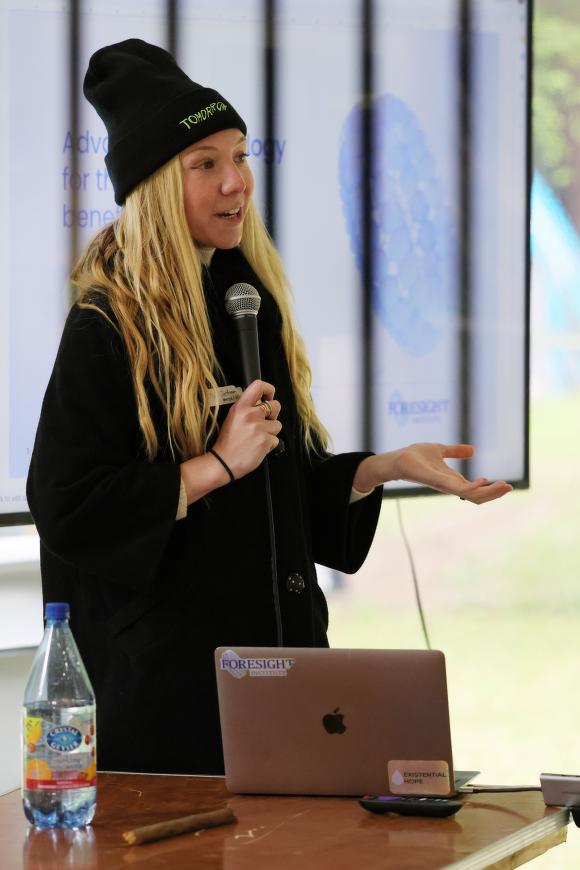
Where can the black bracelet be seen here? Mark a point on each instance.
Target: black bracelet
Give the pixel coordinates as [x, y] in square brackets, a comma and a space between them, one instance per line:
[219, 459]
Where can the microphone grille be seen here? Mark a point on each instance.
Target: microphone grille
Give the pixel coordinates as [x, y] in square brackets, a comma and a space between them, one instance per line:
[242, 299]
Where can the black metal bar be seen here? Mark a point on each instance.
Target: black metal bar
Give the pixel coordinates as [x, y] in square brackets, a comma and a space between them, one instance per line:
[74, 37]
[20, 519]
[270, 67]
[368, 142]
[529, 176]
[171, 19]
[465, 93]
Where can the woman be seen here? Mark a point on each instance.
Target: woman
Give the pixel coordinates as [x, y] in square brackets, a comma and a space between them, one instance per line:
[146, 483]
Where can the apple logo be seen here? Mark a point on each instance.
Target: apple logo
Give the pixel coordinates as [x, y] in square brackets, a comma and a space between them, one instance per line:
[333, 722]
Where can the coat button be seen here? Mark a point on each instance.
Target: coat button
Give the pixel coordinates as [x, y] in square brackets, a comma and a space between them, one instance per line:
[295, 583]
[279, 450]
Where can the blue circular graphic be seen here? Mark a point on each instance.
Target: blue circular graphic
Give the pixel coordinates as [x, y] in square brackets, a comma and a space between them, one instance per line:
[414, 250]
[65, 738]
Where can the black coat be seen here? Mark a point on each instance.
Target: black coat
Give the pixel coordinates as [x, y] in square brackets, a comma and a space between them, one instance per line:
[151, 597]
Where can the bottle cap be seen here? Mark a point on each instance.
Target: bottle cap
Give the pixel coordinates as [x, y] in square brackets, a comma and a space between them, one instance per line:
[57, 610]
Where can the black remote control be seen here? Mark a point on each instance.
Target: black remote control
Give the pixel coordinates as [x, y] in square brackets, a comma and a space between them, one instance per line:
[410, 806]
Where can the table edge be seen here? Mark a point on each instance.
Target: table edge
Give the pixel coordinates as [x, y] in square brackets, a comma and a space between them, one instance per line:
[507, 846]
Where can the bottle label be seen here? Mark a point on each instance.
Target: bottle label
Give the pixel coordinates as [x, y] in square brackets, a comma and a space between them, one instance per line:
[62, 754]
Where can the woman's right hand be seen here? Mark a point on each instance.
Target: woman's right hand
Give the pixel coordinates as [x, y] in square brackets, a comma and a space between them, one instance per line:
[246, 436]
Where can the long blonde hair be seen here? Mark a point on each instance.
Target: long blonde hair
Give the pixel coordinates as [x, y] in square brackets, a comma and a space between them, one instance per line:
[150, 272]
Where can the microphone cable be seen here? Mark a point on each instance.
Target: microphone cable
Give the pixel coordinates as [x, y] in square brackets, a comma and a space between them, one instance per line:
[273, 562]
[413, 573]
[496, 789]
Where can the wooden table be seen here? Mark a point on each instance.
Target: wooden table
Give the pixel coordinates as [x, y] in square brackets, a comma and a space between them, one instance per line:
[280, 833]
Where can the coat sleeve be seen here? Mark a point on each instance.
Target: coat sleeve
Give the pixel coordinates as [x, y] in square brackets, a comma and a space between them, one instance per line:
[342, 533]
[98, 504]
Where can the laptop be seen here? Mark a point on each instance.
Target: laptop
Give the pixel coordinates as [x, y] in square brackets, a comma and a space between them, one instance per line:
[335, 721]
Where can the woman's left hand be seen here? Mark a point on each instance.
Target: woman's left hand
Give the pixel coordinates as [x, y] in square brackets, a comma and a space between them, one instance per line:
[425, 464]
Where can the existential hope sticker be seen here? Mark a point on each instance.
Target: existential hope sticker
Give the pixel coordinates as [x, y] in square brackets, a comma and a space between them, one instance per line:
[419, 777]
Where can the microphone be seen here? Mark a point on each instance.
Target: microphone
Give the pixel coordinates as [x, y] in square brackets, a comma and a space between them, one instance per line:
[243, 303]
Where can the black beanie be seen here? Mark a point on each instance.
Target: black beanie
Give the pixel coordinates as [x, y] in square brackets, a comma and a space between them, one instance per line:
[151, 110]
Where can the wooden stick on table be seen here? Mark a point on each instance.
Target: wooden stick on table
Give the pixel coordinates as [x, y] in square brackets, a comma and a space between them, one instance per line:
[183, 825]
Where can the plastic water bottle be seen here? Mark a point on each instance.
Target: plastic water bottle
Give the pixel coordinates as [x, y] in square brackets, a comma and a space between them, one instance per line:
[59, 777]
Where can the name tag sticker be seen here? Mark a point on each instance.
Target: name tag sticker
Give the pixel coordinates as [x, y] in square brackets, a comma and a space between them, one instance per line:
[419, 777]
[226, 395]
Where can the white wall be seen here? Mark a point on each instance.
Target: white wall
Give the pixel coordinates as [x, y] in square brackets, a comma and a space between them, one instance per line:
[21, 629]
[14, 668]
[20, 596]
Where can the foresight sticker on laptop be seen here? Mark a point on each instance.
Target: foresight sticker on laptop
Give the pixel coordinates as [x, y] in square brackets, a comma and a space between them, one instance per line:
[238, 667]
[419, 777]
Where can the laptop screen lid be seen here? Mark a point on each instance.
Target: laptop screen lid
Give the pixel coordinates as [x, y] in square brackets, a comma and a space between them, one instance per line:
[334, 721]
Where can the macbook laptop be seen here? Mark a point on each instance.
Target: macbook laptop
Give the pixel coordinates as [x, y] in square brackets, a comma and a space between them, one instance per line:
[335, 721]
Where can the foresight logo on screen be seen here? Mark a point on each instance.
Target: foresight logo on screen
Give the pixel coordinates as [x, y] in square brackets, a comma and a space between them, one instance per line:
[417, 410]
